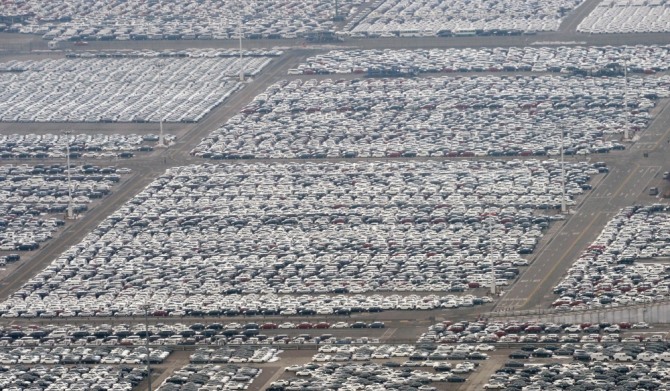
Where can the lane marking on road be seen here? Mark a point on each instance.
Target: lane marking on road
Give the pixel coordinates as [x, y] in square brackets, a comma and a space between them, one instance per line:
[665, 135]
[388, 333]
[625, 181]
[559, 261]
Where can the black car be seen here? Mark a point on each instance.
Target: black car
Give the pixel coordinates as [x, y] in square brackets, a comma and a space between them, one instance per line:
[457, 356]
[456, 379]
[542, 353]
[477, 356]
[514, 364]
[519, 354]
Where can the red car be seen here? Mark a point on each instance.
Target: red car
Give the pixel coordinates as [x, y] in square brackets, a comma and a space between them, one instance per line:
[322, 325]
[269, 326]
[304, 325]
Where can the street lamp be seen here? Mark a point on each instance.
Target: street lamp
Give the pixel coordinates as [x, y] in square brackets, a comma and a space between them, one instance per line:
[161, 139]
[563, 205]
[70, 214]
[626, 136]
[146, 342]
[493, 273]
[241, 63]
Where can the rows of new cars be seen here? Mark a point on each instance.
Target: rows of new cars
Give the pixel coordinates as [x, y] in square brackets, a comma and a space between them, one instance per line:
[235, 355]
[62, 378]
[414, 354]
[443, 116]
[492, 332]
[84, 146]
[415, 18]
[606, 60]
[148, 53]
[200, 239]
[34, 199]
[174, 334]
[577, 375]
[126, 89]
[465, 340]
[627, 16]
[211, 377]
[620, 266]
[369, 376]
[83, 355]
[79, 20]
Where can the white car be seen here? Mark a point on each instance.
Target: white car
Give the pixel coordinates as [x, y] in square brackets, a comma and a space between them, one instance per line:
[647, 356]
[321, 357]
[328, 349]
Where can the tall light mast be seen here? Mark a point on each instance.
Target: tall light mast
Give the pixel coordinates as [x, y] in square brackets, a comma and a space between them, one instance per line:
[626, 135]
[493, 273]
[146, 342]
[241, 61]
[70, 213]
[161, 137]
[563, 205]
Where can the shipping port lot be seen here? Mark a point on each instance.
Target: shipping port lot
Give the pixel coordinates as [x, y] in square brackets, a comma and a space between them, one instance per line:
[630, 174]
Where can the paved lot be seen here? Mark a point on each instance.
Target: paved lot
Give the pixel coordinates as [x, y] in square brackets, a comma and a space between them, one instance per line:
[626, 184]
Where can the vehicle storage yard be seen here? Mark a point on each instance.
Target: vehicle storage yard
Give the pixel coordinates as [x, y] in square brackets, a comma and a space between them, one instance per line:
[337, 218]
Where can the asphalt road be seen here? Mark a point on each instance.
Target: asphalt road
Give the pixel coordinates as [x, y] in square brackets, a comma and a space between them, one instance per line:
[73, 234]
[570, 23]
[626, 184]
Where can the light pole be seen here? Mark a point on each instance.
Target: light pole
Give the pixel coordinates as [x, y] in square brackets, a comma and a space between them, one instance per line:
[241, 63]
[146, 342]
[563, 206]
[626, 136]
[493, 273]
[161, 139]
[70, 214]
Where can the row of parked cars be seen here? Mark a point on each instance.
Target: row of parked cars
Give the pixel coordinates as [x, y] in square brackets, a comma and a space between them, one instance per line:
[529, 332]
[240, 354]
[443, 116]
[576, 375]
[627, 16]
[619, 267]
[368, 352]
[247, 304]
[84, 146]
[166, 53]
[352, 376]
[410, 18]
[217, 334]
[34, 198]
[210, 377]
[63, 378]
[82, 20]
[83, 355]
[131, 89]
[204, 237]
[609, 60]
[595, 351]
[214, 334]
